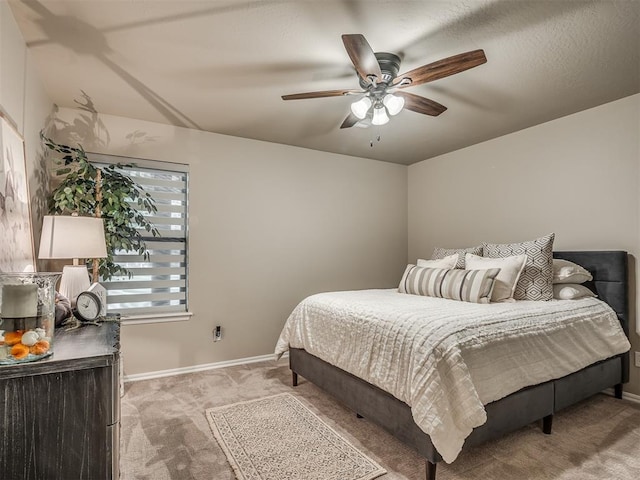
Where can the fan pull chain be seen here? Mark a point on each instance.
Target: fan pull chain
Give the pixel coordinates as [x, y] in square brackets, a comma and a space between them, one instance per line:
[377, 140]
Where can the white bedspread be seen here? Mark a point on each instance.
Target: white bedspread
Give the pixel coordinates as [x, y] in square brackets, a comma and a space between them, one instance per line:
[446, 359]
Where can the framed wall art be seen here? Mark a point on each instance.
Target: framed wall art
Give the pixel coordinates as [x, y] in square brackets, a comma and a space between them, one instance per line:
[16, 237]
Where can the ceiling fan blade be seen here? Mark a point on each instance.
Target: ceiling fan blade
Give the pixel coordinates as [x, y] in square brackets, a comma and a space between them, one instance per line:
[362, 56]
[419, 104]
[442, 68]
[324, 93]
[350, 121]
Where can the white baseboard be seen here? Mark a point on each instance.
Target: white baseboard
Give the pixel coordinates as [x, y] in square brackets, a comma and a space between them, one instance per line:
[265, 358]
[632, 397]
[200, 368]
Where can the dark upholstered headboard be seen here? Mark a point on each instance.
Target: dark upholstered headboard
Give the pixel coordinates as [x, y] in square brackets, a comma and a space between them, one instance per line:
[610, 283]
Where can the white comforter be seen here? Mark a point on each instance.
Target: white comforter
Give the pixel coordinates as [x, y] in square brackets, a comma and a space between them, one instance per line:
[446, 359]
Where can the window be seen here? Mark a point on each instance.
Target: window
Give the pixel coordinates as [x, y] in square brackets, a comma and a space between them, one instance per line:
[158, 287]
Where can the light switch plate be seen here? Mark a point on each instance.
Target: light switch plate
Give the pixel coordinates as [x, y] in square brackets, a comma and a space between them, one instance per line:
[637, 362]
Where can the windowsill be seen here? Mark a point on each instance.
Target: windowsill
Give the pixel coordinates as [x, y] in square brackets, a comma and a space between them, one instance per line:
[155, 318]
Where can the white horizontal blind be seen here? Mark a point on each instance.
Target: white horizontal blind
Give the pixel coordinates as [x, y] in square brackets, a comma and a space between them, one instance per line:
[158, 285]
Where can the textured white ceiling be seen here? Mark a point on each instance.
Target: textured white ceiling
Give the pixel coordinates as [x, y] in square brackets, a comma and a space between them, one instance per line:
[221, 66]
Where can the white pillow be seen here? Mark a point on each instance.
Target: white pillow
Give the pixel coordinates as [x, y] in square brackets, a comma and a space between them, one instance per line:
[571, 291]
[565, 271]
[446, 262]
[510, 271]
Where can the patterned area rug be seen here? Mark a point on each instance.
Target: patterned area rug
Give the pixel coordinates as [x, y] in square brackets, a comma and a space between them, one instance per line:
[279, 438]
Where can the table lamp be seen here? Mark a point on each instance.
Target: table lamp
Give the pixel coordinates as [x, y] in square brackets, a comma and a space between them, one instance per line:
[76, 237]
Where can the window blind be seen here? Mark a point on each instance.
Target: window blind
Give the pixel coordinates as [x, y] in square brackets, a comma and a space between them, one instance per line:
[158, 285]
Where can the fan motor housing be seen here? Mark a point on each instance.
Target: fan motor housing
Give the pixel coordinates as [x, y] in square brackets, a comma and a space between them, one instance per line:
[389, 65]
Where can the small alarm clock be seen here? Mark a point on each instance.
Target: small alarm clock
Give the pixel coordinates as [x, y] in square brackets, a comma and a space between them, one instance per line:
[88, 307]
[101, 292]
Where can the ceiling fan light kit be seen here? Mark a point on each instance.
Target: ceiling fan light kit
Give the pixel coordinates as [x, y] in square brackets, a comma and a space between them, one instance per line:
[380, 116]
[381, 85]
[361, 107]
[394, 104]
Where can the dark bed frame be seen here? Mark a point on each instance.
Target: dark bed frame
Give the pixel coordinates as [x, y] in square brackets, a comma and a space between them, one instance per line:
[531, 404]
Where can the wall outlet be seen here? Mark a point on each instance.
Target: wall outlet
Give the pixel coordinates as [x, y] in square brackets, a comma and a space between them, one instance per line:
[217, 333]
[637, 362]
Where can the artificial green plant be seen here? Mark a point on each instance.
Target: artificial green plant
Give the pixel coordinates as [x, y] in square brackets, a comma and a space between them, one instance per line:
[102, 191]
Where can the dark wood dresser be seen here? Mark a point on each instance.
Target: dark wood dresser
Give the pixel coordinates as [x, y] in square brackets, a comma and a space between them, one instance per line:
[60, 417]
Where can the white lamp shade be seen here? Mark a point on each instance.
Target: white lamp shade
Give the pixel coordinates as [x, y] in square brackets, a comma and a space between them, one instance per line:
[380, 116]
[393, 103]
[361, 107]
[72, 237]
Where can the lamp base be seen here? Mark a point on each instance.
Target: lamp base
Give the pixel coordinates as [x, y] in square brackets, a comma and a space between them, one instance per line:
[75, 280]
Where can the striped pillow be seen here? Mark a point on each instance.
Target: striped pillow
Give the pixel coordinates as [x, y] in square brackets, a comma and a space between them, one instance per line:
[454, 284]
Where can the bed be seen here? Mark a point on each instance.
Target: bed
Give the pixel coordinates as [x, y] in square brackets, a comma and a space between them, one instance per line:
[531, 403]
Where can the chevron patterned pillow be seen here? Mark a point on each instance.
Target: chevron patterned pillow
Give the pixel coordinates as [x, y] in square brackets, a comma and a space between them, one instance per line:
[536, 280]
[439, 253]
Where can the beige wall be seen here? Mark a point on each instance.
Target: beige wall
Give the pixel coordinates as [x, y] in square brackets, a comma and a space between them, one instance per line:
[269, 224]
[577, 176]
[24, 101]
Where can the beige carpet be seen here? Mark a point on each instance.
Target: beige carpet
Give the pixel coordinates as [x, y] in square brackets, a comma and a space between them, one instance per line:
[279, 438]
[165, 433]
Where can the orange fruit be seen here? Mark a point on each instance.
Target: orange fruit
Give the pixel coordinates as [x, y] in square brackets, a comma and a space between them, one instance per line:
[12, 338]
[19, 351]
[40, 347]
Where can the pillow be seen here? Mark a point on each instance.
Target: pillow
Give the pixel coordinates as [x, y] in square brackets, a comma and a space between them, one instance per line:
[536, 280]
[445, 252]
[565, 271]
[571, 291]
[510, 270]
[446, 262]
[454, 284]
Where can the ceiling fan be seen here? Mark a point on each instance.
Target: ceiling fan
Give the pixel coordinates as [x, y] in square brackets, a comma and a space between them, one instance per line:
[382, 88]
